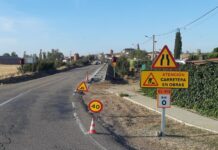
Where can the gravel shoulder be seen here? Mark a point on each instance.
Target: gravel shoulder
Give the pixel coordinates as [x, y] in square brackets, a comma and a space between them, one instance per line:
[137, 126]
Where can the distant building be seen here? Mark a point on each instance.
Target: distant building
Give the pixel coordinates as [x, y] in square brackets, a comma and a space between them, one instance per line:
[185, 56]
[150, 55]
[127, 51]
[76, 57]
[9, 60]
[117, 55]
[66, 59]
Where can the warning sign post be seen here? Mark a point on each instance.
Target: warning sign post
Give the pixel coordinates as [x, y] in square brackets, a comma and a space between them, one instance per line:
[164, 81]
[82, 87]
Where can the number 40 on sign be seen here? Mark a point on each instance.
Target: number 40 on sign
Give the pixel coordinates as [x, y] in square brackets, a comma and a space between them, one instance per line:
[95, 106]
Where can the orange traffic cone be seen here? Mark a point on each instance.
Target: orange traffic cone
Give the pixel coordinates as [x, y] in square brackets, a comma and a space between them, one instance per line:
[92, 127]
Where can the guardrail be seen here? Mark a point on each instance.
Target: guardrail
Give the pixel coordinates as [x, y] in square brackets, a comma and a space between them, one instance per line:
[99, 74]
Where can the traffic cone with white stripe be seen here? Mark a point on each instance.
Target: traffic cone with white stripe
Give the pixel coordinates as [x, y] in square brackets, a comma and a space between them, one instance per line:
[87, 77]
[92, 127]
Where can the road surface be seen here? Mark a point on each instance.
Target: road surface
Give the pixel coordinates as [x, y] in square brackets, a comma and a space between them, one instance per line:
[43, 114]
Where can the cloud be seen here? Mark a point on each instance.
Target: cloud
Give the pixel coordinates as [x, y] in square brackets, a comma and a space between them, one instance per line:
[28, 24]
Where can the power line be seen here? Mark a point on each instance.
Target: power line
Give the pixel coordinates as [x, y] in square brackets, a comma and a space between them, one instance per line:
[199, 18]
[188, 24]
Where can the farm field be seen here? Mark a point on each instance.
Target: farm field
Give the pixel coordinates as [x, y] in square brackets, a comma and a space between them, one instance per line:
[8, 70]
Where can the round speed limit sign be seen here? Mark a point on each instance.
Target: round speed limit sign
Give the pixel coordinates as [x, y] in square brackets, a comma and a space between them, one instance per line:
[95, 106]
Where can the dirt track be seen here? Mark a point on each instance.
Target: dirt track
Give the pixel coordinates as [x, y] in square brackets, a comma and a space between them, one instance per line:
[139, 126]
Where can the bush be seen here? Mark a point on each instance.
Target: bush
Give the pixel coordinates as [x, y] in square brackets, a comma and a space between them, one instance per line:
[82, 62]
[202, 94]
[27, 68]
[46, 66]
[212, 55]
[122, 66]
[151, 92]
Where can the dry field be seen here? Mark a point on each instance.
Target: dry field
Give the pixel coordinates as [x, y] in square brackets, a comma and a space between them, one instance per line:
[8, 70]
[138, 126]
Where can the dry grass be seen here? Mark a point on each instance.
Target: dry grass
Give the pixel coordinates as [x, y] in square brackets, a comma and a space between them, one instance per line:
[139, 126]
[8, 70]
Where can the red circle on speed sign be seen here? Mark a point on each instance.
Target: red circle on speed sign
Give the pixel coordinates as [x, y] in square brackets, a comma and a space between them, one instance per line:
[95, 106]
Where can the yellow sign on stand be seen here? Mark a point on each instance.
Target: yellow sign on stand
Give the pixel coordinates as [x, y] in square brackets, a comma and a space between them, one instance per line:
[82, 87]
[164, 79]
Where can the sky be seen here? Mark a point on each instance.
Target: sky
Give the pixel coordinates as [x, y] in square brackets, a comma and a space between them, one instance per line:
[95, 26]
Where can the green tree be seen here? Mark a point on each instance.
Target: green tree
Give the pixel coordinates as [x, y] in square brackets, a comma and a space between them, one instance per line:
[13, 54]
[91, 57]
[139, 54]
[40, 54]
[122, 65]
[178, 45]
[215, 50]
[56, 57]
[44, 55]
[6, 54]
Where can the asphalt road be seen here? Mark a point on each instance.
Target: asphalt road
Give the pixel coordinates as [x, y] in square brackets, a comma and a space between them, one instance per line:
[43, 114]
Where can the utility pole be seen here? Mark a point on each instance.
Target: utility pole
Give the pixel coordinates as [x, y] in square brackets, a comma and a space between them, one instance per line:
[153, 39]
[153, 47]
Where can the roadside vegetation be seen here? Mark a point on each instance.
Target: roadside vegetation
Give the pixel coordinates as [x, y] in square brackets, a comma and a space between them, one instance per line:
[202, 95]
[52, 61]
[45, 63]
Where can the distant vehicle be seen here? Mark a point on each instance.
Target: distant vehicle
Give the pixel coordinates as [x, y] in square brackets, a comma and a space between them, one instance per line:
[96, 62]
[180, 61]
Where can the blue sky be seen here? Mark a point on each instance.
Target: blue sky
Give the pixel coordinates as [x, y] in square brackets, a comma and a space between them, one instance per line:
[94, 26]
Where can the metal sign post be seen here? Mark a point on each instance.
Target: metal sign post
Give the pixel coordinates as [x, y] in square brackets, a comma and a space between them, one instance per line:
[164, 81]
[163, 122]
[114, 72]
[163, 101]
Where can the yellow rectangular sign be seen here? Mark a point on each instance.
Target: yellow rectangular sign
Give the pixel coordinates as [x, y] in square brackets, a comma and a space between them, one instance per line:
[164, 79]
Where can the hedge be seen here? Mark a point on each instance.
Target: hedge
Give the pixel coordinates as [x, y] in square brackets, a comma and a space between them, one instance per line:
[202, 94]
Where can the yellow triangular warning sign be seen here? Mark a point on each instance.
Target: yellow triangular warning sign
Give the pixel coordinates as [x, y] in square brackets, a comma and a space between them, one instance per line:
[150, 81]
[164, 59]
[82, 87]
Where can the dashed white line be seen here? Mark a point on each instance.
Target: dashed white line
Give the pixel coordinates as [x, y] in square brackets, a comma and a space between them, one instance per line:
[12, 99]
[24, 93]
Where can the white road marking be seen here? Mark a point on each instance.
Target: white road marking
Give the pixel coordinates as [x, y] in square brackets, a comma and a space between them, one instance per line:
[82, 128]
[98, 144]
[12, 99]
[24, 93]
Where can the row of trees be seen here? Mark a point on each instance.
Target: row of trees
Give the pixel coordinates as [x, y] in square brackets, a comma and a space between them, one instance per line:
[13, 54]
[45, 61]
[51, 60]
